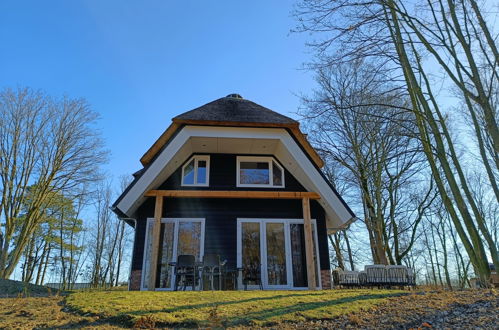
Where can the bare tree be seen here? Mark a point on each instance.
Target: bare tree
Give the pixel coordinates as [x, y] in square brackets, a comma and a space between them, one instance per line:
[408, 39]
[47, 144]
[110, 239]
[355, 120]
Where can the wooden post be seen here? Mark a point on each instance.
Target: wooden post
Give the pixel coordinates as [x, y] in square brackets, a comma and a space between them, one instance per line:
[309, 244]
[153, 261]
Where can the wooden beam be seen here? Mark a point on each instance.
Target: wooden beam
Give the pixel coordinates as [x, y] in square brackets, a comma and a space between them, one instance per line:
[309, 244]
[153, 261]
[233, 194]
[307, 146]
[160, 142]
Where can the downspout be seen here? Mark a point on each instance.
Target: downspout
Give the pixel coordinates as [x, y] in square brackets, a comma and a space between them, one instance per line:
[133, 250]
[123, 217]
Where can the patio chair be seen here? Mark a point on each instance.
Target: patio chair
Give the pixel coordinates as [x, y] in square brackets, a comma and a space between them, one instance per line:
[336, 276]
[186, 272]
[376, 275]
[397, 275]
[411, 277]
[251, 273]
[211, 267]
[349, 278]
[362, 278]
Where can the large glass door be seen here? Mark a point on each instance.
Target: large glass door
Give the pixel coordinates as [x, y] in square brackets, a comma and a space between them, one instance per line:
[299, 262]
[276, 263]
[177, 237]
[272, 252]
[250, 254]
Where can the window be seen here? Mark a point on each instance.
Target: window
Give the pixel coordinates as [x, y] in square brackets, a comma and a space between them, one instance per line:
[196, 172]
[259, 172]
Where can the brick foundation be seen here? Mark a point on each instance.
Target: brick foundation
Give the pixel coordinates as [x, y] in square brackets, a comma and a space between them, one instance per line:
[135, 277]
[326, 279]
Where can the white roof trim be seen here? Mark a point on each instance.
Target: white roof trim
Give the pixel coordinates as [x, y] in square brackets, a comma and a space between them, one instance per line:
[288, 152]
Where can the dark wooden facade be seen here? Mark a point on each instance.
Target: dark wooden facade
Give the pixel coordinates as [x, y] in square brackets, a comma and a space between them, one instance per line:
[221, 214]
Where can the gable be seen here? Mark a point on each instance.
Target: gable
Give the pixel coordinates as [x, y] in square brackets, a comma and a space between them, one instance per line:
[240, 140]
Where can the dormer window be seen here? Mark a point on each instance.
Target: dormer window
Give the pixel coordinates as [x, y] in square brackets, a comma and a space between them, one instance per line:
[196, 172]
[259, 172]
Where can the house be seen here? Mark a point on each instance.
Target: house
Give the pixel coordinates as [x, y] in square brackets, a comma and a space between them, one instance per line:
[236, 179]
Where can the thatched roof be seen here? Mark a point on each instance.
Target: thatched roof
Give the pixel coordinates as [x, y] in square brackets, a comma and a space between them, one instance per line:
[233, 108]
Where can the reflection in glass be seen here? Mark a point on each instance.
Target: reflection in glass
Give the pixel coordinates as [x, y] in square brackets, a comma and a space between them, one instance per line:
[166, 254]
[298, 260]
[189, 239]
[189, 173]
[254, 173]
[201, 172]
[298, 255]
[315, 255]
[276, 174]
[147, 254]
[276, 254]
[250, 233]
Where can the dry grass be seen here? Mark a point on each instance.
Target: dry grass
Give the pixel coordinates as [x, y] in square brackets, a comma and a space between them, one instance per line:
[282, 309]
[39, 312]
[10, 288]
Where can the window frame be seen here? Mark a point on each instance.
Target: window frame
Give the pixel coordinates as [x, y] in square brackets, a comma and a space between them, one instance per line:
[263, 252]
[196, 159]
[259, 159]
[147, 259]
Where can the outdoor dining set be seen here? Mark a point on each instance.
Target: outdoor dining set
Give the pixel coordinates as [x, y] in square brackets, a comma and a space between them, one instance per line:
[375, 276]
[191, 273]
[210, 274]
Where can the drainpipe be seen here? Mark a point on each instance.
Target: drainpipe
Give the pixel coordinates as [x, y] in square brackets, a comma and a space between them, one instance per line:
[133, 250]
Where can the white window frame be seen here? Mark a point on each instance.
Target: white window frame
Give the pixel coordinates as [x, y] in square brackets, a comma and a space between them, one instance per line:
[176, 221]
[270, 161]
[263, 253]
[196, 159]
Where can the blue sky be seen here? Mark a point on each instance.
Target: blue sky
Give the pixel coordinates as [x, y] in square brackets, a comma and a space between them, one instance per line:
[140, 63]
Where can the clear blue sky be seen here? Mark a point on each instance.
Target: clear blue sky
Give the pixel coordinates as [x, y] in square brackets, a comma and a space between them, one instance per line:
[140, 63]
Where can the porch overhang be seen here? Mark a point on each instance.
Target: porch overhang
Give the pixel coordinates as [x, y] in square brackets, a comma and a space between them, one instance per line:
[304, 196]
[232, 194]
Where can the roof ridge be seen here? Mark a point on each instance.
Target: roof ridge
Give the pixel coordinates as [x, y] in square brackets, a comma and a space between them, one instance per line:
[235, 109]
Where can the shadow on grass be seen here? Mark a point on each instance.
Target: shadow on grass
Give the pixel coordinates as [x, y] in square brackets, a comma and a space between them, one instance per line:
[127, 319]
[249, 318]
[221, 303]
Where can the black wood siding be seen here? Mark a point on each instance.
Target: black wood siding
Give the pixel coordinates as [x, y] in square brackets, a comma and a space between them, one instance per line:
[221, 222]
[223, 176]
[221, 214]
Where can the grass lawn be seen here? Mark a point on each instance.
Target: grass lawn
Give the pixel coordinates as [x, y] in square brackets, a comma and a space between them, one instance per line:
[225, 308]
[10, 288]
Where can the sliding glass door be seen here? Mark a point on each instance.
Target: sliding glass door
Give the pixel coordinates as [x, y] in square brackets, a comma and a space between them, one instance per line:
[299, 263]
[276, 255]
[177, 237]
[272, 252]
[251, 253]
